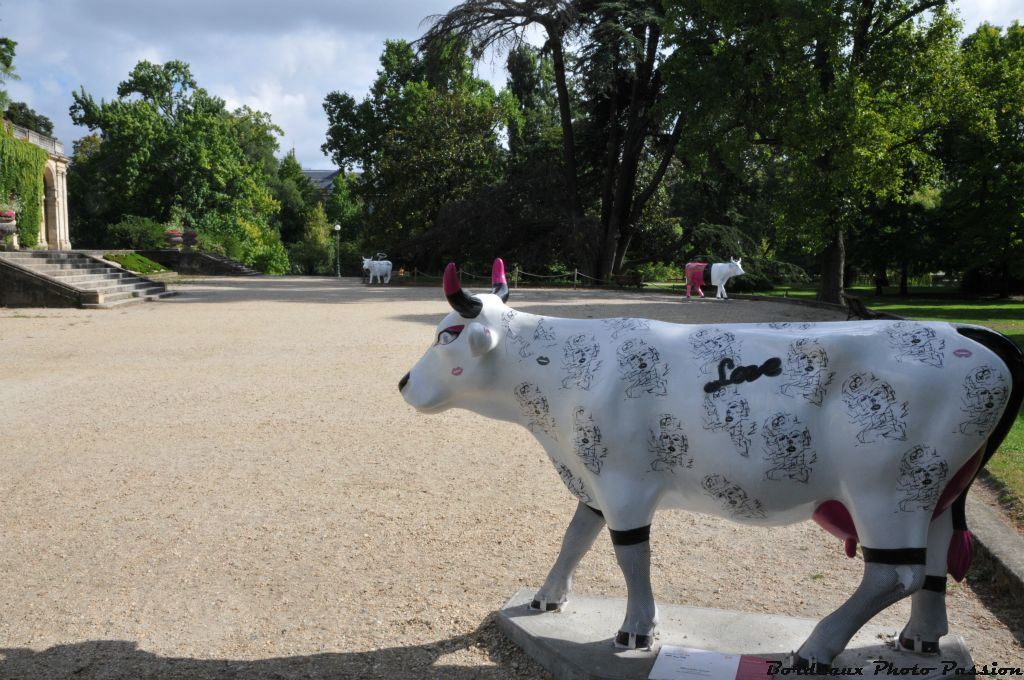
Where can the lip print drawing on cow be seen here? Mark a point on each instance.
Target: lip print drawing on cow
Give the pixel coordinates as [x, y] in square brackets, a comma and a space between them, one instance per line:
[892, 478]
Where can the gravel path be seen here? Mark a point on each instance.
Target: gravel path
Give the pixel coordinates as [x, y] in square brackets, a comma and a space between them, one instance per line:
[227, 484]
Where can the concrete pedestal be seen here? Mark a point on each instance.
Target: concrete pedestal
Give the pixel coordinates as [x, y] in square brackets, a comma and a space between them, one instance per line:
[576, 643]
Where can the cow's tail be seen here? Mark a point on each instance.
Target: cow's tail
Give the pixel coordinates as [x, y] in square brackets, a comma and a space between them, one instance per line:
[961, 548]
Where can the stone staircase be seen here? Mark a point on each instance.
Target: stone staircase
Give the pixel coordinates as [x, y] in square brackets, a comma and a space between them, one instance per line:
[194, 262]
[52, 278]
[231, 267]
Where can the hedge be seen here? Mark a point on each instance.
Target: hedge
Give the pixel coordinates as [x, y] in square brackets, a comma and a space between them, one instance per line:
[21, 173]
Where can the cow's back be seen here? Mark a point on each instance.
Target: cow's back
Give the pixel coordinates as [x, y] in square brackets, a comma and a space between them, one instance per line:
[763, 422]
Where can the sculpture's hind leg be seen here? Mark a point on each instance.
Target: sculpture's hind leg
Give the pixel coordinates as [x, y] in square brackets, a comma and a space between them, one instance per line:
[580, 535]
[928, 606]
[889, 576]
[894, 567]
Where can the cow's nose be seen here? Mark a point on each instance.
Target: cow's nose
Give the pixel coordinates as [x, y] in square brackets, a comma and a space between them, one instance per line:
[402, 382]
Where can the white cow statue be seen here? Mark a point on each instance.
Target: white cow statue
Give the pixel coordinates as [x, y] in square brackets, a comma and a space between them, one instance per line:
[700, 273]
[379, 268]
[875, 429]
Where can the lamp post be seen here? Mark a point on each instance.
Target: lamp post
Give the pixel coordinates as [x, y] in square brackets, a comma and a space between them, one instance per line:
[337, 250]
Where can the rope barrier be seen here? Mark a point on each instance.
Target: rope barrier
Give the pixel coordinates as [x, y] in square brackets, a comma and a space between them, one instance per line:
[545, 276]
[575, 276]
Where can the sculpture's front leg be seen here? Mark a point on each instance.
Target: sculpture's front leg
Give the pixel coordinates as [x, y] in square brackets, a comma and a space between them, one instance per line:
[633, 553]
[580, 535]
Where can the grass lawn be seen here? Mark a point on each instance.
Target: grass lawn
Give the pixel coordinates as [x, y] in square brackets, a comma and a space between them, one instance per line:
[1005, 316]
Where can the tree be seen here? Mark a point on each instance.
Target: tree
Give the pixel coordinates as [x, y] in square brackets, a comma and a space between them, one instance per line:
[7, 48]
[343, 206]
[169, 151]
[20, 114]
[983, 154]
[847, 96]
[297, 196]
[425, 136]
[622, 90]
[312, 253]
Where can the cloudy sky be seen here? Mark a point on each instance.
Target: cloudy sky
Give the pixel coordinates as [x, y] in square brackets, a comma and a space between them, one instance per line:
[279, 57]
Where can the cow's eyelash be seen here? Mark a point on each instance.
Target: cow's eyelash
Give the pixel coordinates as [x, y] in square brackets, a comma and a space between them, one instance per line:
[449, 335]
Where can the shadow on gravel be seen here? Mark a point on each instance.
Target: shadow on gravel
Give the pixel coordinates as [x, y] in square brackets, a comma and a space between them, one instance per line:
[123, 660]
[997, 598]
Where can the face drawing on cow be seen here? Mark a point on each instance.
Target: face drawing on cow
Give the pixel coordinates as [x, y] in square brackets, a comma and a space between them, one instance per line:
[805, 373]
[872, 406]
[580, 361]
[985, 395]
[726, 411]
[922, 473]
[914, 342]
[871, 458]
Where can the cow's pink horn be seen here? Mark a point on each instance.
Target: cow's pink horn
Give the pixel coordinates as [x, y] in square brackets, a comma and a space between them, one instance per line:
[467, 307]
[498, 282]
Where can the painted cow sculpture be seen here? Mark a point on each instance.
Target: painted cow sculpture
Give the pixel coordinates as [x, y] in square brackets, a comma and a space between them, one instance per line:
[875, 429]
[701, 273]
[377, 268]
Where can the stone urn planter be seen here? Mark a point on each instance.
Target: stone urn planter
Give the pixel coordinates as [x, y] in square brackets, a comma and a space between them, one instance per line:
[173, 237]
[8, 227]
[8, 223]
[189, 238]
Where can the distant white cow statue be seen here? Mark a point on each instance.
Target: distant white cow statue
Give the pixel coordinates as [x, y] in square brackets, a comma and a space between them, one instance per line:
[874, 429]
[698, 273]
[379, 268]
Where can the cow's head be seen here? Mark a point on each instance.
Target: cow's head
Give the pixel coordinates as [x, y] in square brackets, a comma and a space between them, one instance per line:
[457, 366]
[735, 267]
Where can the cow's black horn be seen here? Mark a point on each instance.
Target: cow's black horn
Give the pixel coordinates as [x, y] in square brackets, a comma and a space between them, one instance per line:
[467, 306]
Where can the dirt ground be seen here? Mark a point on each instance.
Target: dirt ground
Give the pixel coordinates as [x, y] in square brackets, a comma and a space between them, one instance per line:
[227, 484]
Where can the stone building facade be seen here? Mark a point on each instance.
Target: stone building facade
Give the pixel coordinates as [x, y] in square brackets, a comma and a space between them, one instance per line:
[53, 227]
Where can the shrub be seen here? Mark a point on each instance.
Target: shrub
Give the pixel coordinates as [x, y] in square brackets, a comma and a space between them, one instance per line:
[658, 271]
[137, 233]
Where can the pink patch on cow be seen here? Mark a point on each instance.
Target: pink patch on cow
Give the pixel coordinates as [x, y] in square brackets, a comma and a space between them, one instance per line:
[451, 279]
[498, 271]
[963, 353]
[961, 479]
[457, 371]
[833, 517]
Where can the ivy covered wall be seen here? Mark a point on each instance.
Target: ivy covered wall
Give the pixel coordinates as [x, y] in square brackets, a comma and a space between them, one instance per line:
[21, 174]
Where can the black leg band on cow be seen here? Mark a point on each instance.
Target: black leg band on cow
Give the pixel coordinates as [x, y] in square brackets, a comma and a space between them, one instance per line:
[936, 584]
[622, 639]
[895, 556]
[596, 511]
[808, 666]
[538, 606]
[919, 646]
[631, 536]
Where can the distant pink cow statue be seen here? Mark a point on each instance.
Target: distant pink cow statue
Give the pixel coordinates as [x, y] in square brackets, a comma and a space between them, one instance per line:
[699, 273]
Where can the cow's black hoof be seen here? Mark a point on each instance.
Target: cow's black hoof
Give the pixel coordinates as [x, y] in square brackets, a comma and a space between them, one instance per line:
[811, 667]
[917, 645]
[624, 640]
[545, 606]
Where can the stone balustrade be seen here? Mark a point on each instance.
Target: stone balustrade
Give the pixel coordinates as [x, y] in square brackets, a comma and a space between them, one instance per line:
[53, 146]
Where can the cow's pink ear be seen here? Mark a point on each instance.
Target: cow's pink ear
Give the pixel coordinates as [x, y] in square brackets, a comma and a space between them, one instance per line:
[481, 339]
